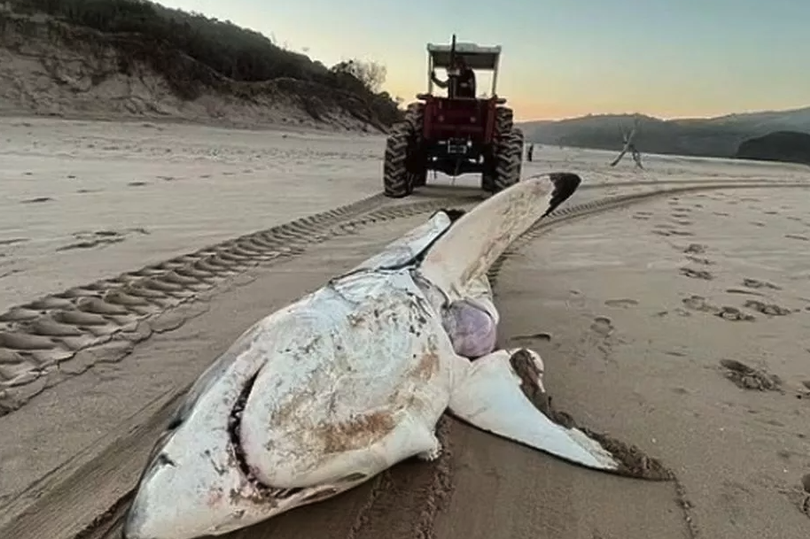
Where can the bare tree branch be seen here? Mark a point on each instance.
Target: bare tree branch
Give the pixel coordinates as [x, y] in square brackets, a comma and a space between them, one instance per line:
[629, 146]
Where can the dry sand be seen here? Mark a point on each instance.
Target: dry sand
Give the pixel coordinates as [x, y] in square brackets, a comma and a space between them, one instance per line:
[646, 308]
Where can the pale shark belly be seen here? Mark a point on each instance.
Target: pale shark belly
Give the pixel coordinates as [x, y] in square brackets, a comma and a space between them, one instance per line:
[368, 365]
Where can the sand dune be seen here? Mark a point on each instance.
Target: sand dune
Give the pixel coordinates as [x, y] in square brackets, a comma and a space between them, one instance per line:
[677, 323]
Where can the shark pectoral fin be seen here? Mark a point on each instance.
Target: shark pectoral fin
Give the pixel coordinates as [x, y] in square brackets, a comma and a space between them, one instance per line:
[503, 395]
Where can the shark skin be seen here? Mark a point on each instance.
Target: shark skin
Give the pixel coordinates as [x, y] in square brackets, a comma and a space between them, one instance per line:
[328, 392]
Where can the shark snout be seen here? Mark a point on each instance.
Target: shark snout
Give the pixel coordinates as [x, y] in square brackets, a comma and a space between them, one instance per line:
[192, 488]
[168, 503]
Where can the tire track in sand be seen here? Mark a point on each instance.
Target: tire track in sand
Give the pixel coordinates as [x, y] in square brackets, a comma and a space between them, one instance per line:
[402, 502]
[48, 340]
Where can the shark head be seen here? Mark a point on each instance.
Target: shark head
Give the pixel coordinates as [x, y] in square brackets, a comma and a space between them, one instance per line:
[197, 482]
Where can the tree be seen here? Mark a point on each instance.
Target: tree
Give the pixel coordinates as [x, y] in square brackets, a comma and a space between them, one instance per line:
[370, 74]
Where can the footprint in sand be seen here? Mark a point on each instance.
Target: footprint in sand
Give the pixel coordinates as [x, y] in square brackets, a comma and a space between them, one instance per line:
[746, 377]
[732, 314]
[37, 200]
[696, 274]
[771, 309]
[771, 212]
[754, 283]
[797, 237]
[698, 303]
[623, 303]
[137, 184]
[602, 325]
[695, 249]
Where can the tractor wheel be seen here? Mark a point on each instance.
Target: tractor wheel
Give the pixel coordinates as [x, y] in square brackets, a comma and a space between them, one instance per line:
[415, 117]
[397, 183]
[504, 121]
[508, 160]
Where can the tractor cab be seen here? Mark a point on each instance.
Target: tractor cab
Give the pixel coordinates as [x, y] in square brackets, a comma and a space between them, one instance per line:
[476, 57]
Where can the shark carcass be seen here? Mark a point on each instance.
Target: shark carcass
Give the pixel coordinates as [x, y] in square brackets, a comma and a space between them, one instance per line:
[351, 379]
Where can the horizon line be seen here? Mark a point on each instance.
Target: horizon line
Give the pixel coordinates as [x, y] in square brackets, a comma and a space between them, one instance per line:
[669, 118]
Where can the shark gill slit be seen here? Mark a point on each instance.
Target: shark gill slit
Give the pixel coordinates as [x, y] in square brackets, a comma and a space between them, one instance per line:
[234, 429]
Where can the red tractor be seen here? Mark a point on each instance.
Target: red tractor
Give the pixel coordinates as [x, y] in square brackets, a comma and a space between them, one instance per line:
[454, 134]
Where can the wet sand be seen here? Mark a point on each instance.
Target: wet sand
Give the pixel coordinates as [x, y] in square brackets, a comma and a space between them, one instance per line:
[668, 322]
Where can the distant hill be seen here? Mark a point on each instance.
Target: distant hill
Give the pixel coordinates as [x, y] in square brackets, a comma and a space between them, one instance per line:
[784, 146]
[708, 137]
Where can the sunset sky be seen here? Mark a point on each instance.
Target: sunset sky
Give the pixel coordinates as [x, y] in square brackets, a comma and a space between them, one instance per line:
[563, 58]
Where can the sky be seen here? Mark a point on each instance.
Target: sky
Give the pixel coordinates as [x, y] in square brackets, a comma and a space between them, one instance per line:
[565, 58]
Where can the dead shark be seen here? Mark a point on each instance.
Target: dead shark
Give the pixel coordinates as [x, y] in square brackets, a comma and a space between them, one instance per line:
[351, 379]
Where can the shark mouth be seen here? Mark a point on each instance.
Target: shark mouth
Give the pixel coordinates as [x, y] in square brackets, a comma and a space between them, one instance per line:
[234, 430]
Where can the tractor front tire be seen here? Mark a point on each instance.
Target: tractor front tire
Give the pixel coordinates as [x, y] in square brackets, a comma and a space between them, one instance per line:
[397, 182]
[508, 160]
[504, 121]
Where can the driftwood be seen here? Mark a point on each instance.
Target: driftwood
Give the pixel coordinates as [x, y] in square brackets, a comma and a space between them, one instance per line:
[629, 147]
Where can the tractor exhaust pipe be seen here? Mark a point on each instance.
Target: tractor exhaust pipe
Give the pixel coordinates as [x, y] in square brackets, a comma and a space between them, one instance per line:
[452, 74]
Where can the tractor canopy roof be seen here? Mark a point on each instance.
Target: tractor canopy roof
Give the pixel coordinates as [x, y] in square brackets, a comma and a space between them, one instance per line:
[476, 56]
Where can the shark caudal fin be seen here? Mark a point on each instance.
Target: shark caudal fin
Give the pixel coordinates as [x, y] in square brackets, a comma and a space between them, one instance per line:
[466, 251]
[503, 394]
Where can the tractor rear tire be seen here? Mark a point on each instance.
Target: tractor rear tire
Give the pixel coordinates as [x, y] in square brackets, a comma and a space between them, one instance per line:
[415, 116]
[508, 160]
[397, 182]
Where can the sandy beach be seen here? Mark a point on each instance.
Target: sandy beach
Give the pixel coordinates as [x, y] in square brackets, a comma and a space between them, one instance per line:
[677, 323]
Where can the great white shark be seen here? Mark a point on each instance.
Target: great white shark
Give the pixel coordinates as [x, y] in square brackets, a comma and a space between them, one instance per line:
[349, 380]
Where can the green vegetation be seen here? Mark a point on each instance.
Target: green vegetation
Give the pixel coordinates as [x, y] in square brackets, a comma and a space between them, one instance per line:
[228, 50]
